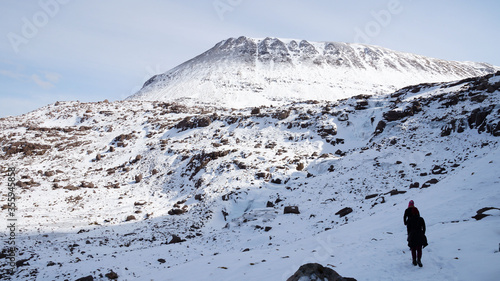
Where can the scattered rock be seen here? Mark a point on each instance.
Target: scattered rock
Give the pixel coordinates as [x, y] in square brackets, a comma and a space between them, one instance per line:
[300, 166]
[191, 122]
[176, 239]
[291, 210]
[22, 262]
[361, 104]
[71, 187]
[477, 118]
[130, 218]
[276, 181]
[394, 115]
[480, 213]
[282, 114]
[255, 111]
[317, 272]
[138, 178]
[396, 192]
[263, 175]
[380, 127]
[173, 212]
[225, 214]
[415, 185]
[87, 184]
[111, 275]
[429, 182]
[344, 212]
[28, 149]
[437, 170]
[340, 153]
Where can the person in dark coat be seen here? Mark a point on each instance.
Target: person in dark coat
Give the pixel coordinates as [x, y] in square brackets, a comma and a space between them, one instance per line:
[409, 212]
[416, 236]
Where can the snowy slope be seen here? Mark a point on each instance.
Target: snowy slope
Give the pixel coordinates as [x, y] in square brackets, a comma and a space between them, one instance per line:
[241, 72]
[219, 178]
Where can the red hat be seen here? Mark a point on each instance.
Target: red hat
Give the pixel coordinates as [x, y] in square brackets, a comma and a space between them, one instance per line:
[411, 204]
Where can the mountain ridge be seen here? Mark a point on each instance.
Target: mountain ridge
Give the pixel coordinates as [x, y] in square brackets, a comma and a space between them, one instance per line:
[241, 72]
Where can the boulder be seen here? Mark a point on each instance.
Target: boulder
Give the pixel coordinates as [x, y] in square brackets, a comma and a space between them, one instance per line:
[138, 178]
[111, 275]
[437, 170]
[477, 118]
[176, 239]
[291, 210]
[176, 211]
[396, 192]
[380, 127]
[300, 166]
[415, 185]
[344, 212]
[317, 272]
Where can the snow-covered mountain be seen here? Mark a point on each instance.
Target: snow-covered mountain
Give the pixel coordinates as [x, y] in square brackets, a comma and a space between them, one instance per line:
[152, 190]
[241, 72]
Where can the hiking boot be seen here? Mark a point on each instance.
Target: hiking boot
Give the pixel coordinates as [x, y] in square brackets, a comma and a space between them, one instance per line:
[419, 263]
[414, 262]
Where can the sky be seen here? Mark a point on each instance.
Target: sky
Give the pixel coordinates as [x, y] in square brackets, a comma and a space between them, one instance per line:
[90, 50]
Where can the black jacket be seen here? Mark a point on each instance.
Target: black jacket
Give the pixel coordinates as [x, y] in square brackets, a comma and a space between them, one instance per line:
[409, 213]
[416, 232]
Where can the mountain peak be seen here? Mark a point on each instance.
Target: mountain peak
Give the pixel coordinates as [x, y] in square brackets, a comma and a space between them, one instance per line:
[242, 72]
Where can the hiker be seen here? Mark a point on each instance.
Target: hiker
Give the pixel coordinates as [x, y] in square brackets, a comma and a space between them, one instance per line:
[409, 212]
[415, 226]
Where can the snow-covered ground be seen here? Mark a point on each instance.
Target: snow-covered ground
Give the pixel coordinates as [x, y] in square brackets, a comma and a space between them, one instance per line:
[229, 173]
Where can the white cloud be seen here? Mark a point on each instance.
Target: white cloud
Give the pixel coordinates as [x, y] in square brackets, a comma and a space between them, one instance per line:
[45, 80]
[11, 74]
[52, 76]
[40, 82]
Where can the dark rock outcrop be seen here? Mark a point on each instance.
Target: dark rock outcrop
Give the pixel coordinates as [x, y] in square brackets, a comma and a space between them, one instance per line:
[291, 210]
[344, 212]
[191, 122]
[480, 213]
[317, 272]
[176, 239]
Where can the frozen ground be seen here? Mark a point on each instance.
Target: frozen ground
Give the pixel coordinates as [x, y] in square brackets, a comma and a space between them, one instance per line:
[220, 178]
